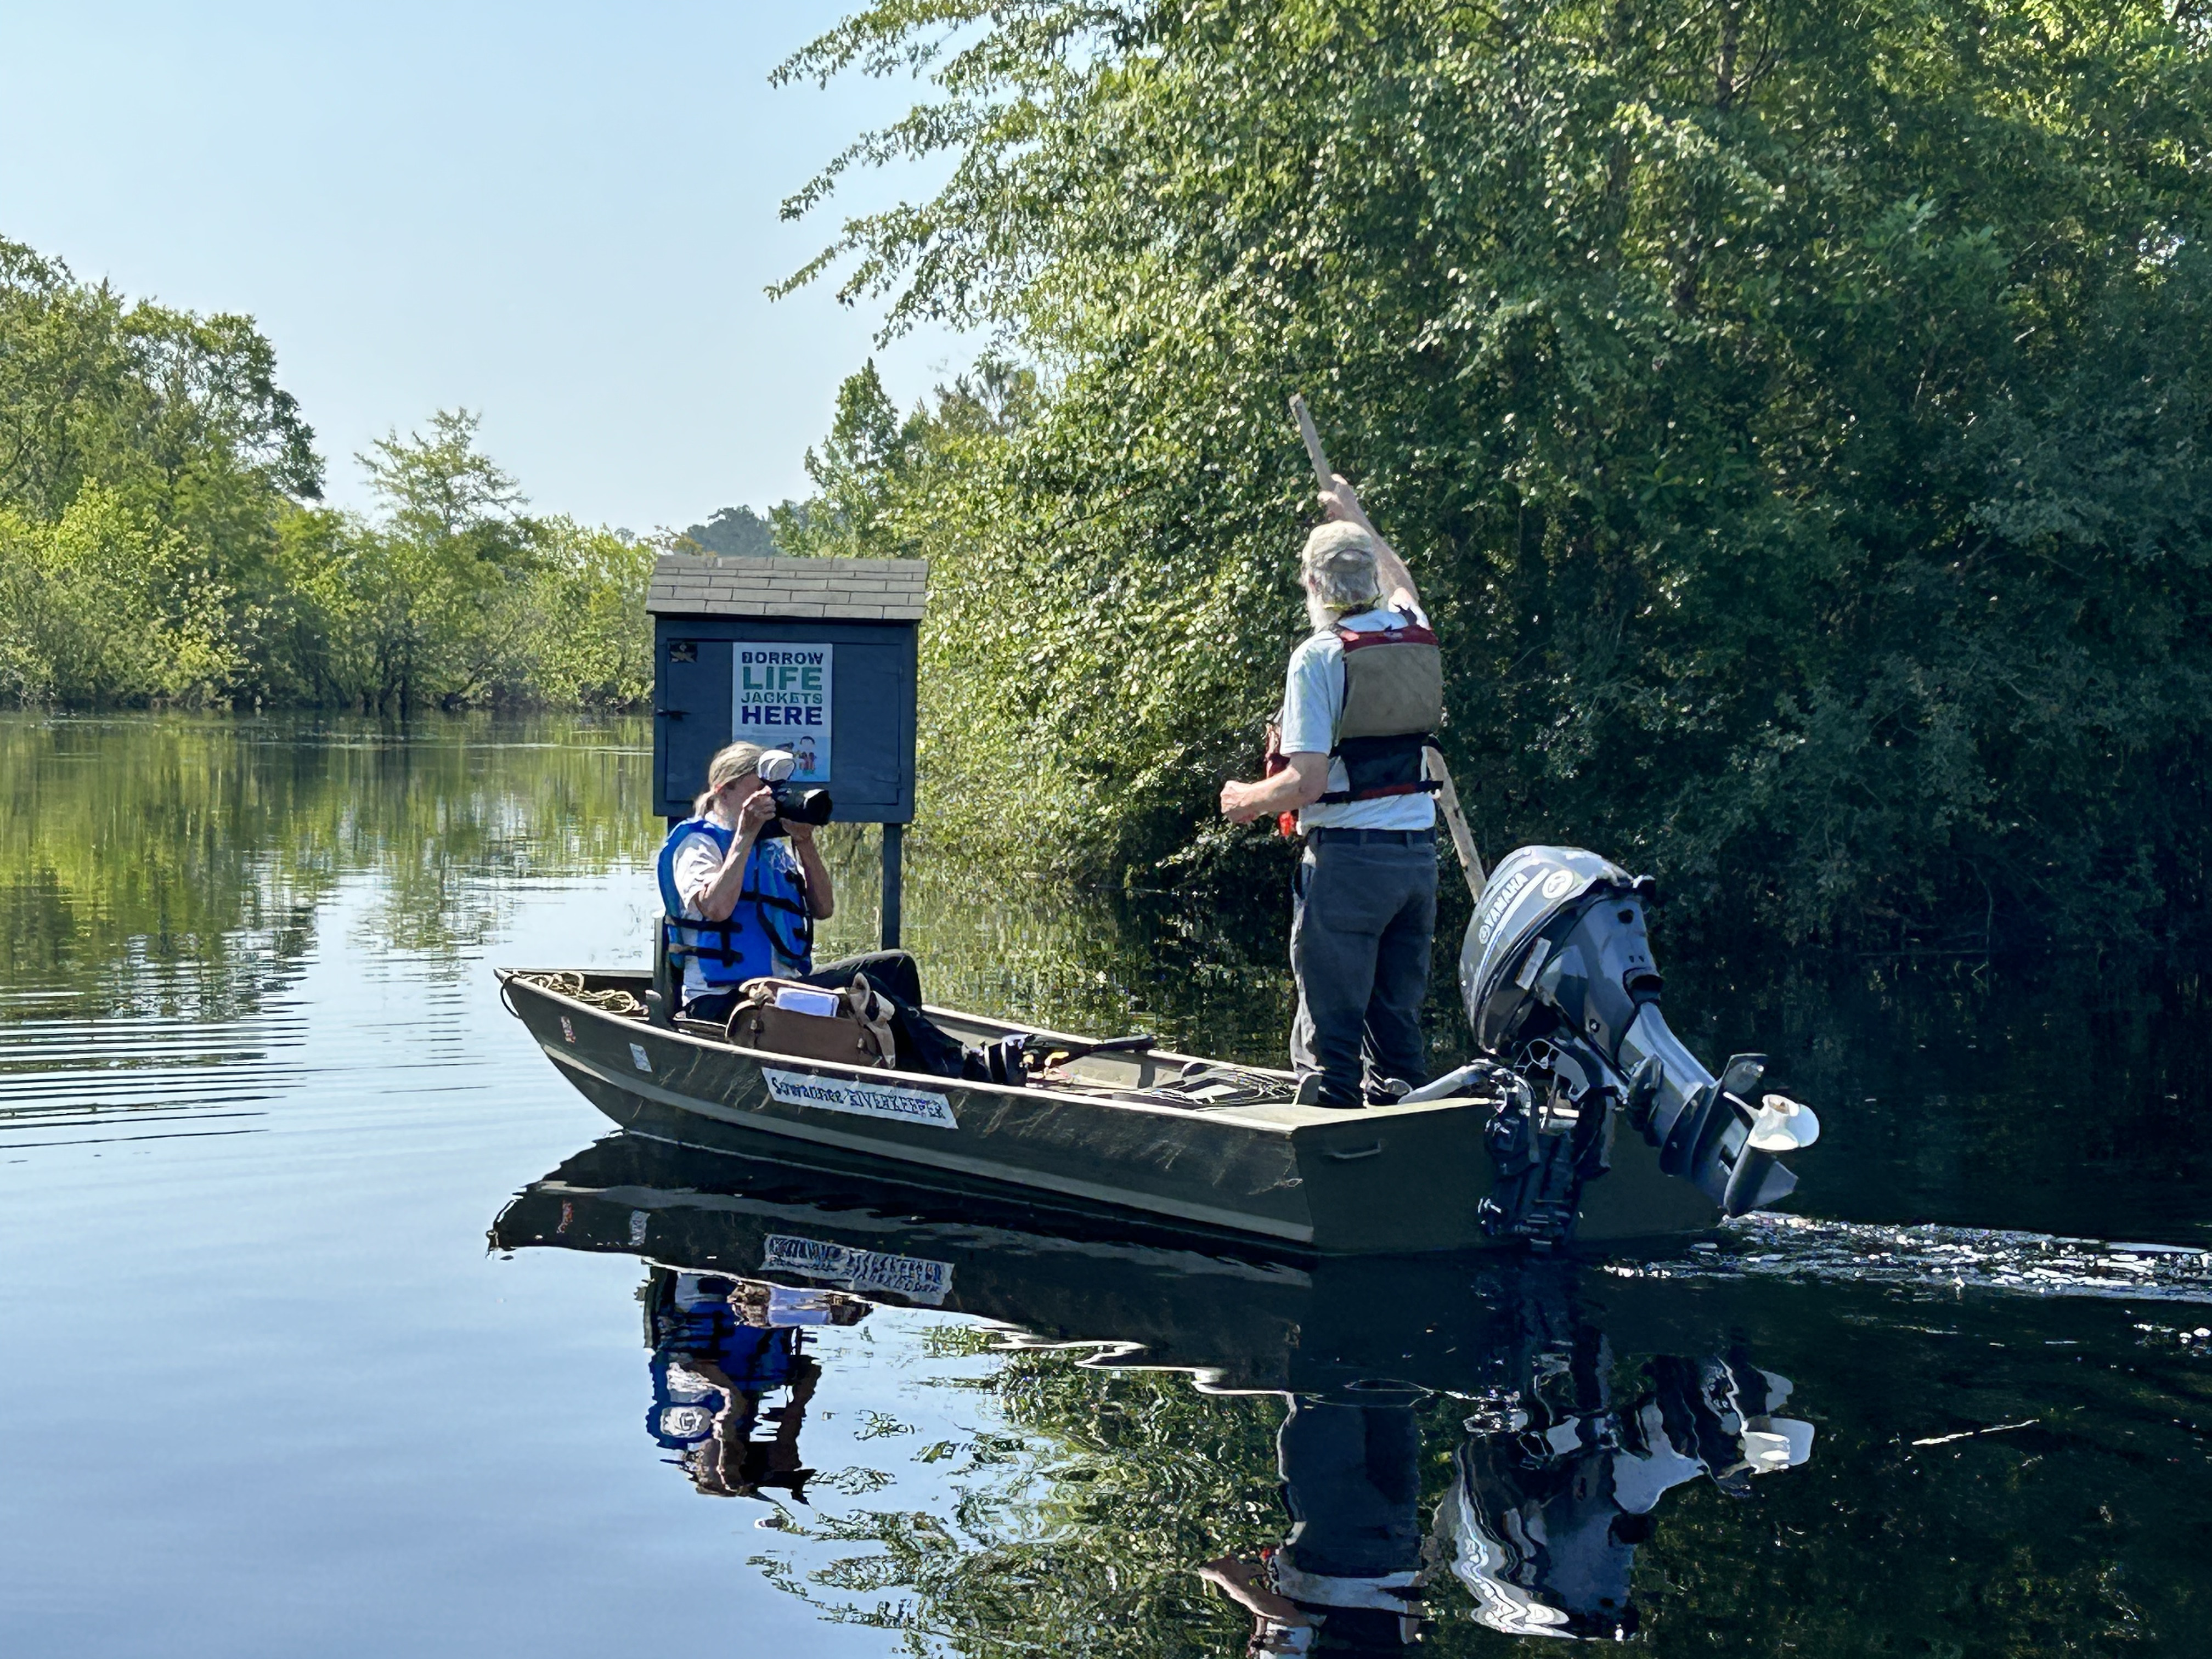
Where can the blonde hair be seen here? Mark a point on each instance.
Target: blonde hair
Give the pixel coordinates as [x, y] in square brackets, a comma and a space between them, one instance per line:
[726, 768]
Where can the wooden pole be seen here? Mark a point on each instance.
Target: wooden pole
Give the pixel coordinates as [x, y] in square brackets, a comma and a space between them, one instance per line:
[1470, 858]
[1323, 474]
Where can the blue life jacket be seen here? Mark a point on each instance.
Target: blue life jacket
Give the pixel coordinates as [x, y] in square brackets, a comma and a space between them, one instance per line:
[754, 1358]
[771, 917]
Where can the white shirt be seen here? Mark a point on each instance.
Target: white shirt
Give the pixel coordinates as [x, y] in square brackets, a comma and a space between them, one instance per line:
[1313, 703]
[698, 860]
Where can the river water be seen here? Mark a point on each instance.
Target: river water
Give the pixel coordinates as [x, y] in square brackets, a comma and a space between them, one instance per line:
[332, 1321]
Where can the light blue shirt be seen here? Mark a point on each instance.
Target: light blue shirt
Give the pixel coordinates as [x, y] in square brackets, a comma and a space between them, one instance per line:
[1313, 703]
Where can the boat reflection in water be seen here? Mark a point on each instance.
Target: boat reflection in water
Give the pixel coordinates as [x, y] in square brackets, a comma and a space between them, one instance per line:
[1554, 1491]
[1563, 1453]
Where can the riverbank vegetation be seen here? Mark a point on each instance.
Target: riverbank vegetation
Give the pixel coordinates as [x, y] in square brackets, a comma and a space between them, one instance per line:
[162, 537]
[1796, 413]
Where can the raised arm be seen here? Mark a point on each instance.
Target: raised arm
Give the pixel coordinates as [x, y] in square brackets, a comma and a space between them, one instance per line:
[716, 899]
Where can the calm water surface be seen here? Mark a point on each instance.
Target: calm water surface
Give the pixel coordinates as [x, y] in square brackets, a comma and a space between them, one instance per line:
[266, 1388]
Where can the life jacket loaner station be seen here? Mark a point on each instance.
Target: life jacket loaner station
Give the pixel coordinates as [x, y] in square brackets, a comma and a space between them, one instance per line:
[816, 656]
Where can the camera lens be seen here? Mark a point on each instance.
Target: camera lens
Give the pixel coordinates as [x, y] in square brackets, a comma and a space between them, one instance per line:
[803, 805]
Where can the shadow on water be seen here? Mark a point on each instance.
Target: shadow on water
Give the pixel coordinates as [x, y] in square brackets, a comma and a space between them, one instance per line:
[1470, 1448]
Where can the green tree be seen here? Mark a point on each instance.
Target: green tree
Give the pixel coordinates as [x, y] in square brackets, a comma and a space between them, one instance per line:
[98, 606]
[856, 473]
[1796, 413]
[162, 429]
[454, 598]
[161, 539]
[734, 531]
[445, 567]
[587, 641]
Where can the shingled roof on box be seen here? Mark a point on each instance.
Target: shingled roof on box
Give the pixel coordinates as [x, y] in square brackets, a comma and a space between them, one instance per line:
[850, 590]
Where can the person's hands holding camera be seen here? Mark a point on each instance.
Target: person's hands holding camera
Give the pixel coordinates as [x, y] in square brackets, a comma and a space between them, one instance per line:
[759, 808]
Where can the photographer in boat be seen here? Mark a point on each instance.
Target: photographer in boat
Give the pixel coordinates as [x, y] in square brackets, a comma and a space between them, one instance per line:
[755, 893]
[721, 1346]
[742, 886]
[1361, 700]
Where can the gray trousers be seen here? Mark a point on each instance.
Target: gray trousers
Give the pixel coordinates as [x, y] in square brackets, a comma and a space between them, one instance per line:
[1364, 915]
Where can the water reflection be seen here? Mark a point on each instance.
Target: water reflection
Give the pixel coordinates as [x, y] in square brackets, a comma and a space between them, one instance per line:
[180, 865]
[1559, 1447]
[165, 881]
[1549, 1506]
[1035, 1433]
[721, 1347]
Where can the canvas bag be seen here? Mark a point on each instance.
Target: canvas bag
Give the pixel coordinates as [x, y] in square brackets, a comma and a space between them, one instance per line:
[858, 1034]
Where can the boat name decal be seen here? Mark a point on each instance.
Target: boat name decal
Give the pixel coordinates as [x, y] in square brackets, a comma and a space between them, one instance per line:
[832, 1094]
[914, 1277]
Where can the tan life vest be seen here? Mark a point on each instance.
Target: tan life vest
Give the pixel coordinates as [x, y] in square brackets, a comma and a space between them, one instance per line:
[1393, 700]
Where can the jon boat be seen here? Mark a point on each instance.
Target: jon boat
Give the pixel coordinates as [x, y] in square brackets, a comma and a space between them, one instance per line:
[1587, 1082]
[1391, 1178]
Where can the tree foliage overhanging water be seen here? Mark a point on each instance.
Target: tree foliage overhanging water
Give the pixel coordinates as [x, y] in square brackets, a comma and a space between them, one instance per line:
[1796, 413]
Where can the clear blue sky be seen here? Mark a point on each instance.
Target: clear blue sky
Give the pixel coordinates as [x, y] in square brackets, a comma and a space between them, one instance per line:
[562, 216]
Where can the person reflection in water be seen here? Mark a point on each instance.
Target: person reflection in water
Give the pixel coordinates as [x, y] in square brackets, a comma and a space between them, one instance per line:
[721, 1347]
[1347, 1579]
[1553, 1492]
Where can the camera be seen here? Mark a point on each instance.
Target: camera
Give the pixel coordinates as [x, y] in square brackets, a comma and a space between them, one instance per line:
[793, 804]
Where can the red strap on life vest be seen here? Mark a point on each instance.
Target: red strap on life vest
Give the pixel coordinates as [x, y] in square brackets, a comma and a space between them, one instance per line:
[1356, 639]
[1286, 824]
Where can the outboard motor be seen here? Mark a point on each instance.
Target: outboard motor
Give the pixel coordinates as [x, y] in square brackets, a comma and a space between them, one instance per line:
[1557, 978]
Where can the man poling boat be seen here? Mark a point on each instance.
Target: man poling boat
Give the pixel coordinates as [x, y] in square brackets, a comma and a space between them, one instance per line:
[1346, 764]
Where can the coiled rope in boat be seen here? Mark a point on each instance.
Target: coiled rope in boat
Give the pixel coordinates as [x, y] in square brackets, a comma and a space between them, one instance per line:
[570, 984]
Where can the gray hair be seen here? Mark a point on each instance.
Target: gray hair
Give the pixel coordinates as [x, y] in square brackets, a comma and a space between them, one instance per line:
[729, 764]
[1338, 567]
